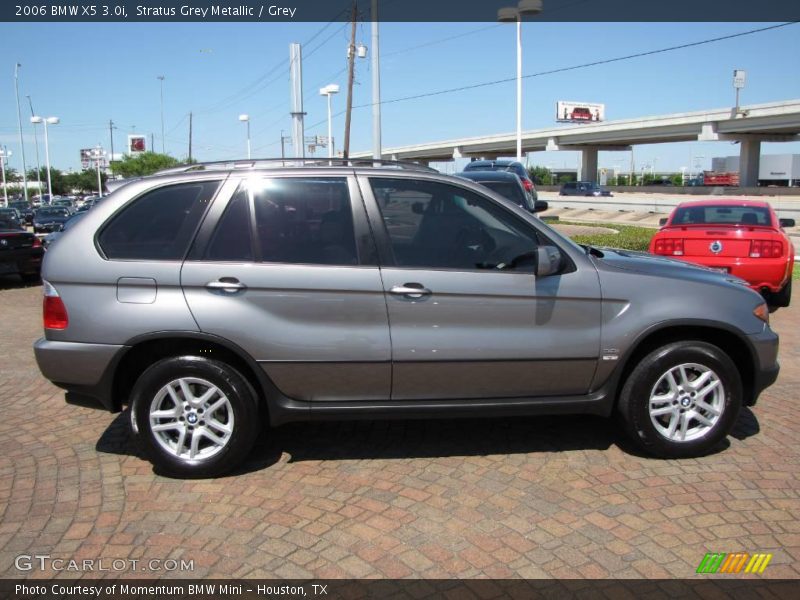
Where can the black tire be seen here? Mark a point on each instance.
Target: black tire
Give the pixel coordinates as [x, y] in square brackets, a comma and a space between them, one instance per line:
[781, 299]
[241, 411]
[634, 400]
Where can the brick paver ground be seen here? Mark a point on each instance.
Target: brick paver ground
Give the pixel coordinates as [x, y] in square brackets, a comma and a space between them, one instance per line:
[538, 497]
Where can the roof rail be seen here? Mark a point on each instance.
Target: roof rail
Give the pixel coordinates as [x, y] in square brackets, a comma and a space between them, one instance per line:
[277, 163]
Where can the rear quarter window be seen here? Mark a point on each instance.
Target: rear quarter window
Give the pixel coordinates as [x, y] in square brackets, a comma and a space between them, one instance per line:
[159, 224]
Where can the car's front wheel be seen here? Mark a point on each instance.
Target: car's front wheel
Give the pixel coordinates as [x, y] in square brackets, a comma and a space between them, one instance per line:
[194, 417]
[681, 399]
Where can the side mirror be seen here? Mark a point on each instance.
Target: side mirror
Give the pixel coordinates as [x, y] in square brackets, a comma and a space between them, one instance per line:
[786, 222]
[548, 261]
[662, 222]
[540, 206]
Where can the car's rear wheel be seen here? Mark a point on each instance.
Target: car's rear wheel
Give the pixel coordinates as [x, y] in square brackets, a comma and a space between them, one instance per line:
[194, 417]
[681, 399]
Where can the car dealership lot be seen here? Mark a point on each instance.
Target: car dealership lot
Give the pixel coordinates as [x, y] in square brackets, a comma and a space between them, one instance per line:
[522, 497]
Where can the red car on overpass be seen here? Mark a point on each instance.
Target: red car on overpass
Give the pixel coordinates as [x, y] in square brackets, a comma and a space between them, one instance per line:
[742, 237]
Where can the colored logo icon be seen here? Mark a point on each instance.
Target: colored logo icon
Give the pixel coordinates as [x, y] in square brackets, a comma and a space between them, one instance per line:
[737, 562]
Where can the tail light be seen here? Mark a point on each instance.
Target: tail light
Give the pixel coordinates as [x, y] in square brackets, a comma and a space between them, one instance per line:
[55, 313]
[37, 243]
[669, 246]
[766, 249]
[528, 184]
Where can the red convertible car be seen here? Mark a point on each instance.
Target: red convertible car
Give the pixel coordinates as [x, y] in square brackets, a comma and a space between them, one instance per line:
[742, 237]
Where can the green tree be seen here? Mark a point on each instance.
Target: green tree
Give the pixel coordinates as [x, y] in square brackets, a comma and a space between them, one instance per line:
[143, 164]
[84, 181]
[56, 177]
[541, 175]
[12, 176]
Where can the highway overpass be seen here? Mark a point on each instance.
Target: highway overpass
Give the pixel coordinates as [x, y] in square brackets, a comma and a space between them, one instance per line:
[750, 126]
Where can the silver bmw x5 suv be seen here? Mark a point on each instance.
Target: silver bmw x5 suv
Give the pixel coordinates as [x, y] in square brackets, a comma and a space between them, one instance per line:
[217, 300]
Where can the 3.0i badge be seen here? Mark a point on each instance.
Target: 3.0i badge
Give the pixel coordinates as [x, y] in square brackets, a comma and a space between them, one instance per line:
[716, 247]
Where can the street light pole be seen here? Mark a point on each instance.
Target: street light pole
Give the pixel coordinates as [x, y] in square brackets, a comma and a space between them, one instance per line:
[511, 15]
[51, 121]
[330, 90]
[36, 142]
[161, 79]
[19, 125]
[98, 154]
[3, 155]
[246, 119]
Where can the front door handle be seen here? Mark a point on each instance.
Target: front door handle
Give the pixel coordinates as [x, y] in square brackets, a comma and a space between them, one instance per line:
[410, 290]
[230, 285]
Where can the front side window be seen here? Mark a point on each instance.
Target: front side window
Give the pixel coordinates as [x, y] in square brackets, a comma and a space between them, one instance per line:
[440, 226]
[304, 220]
[158, 225]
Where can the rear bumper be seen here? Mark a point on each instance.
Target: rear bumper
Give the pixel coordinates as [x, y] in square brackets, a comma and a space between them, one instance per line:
[83, 369]
[23, 260]
[759, 273]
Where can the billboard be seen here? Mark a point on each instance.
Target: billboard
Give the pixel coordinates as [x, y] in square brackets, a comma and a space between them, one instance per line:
[136, 144]
[89, 159]
[580, 112]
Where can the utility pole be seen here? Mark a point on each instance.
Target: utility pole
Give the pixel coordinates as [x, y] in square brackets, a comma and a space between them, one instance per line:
[351, 61]
[19, 123]
[296, 73]
[36, 142]
[161, 79]
[190, 137]
[111, 133]
[376, 84]
[152, 142]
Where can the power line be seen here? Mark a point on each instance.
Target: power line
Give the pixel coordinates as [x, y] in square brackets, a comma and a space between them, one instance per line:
[566, 69]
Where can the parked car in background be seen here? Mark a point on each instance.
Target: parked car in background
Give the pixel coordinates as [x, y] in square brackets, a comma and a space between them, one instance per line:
[65, 203]
[50, 218]
[217, 302]
[20, 252]
[583, 188]
[48, 240]
[10, 219]
[505, 165]
[25, 210]
[509, 186]
[742, 237]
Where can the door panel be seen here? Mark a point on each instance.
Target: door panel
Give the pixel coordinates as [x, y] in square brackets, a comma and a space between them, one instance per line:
[475, 330]
[320, 331]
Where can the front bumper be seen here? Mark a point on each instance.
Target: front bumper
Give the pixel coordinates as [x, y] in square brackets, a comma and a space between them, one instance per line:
[765, 349]
[80, 368]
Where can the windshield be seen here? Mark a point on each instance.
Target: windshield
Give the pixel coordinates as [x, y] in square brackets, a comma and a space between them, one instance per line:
[722, 215]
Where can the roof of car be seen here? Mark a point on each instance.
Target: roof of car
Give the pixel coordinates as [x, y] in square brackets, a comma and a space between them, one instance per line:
[498, 163]
[725, 202]
[488, 175]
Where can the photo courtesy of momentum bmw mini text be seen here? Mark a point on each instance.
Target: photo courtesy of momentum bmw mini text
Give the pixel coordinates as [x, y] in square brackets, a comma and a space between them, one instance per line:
[366, 299]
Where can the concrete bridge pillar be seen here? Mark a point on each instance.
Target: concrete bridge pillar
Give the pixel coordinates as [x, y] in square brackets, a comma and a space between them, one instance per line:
[749, 162]
[589, 165]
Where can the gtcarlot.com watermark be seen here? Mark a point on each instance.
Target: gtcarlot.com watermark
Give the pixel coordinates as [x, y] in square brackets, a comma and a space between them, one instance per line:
[45, 562]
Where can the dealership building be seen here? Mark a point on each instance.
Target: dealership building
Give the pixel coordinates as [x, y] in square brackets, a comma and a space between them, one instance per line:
[775, 169]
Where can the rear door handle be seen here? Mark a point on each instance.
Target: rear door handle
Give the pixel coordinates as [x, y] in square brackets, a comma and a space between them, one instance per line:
[226, 284]
[410, 290]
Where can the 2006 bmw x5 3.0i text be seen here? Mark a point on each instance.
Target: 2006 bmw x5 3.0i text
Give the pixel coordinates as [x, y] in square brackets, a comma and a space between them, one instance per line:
[220, 299]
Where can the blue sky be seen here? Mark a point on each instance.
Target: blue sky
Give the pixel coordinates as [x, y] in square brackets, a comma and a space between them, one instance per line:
[87, 74]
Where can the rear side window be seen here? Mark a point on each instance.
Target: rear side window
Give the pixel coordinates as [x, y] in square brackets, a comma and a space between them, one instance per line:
[304, 221]
[159, 225]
